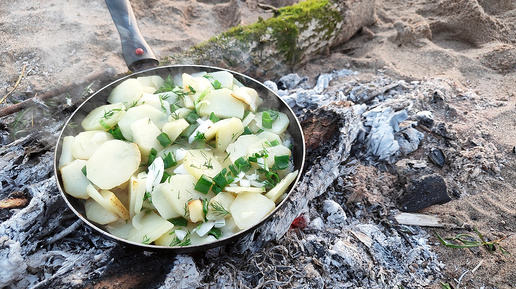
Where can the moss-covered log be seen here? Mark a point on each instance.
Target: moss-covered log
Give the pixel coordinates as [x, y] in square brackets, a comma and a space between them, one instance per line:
[273, 47]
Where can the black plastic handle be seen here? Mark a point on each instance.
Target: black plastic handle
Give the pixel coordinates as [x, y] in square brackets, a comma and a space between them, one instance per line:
[137, 53]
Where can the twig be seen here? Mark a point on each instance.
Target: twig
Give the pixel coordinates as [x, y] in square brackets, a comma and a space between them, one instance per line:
[65, 232]
[60, 90]
[15, 85]
[460, 278]
[478, 266]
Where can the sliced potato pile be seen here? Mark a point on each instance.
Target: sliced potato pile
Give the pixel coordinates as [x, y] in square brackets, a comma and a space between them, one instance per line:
[179, 161]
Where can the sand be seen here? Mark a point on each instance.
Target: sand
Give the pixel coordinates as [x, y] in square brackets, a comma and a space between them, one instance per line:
[469, 43]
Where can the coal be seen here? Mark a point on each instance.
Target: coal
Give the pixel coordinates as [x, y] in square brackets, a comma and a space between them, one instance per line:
[424, 192]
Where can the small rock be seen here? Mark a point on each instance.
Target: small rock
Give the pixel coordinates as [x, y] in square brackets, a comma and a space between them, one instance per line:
[335, 212]
[424, 192]
[412, 169]
[437, 157]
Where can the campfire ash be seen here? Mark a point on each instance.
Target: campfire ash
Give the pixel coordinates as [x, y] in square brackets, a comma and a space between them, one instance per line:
[368, 139]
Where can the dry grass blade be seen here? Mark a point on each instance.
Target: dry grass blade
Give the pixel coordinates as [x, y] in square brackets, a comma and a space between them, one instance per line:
[15, 85]
[468, 241]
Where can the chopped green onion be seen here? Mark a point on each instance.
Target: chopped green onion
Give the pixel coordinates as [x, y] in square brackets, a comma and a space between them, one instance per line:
[214, 118]
[147, 196]
[192, 117]
[215, 83]
[242, 164]
[220, 179]
[179, 221]
[192, 90]
[203, 185]
[268, 117]
[215, 232]
[189, 130]
[83, 170]
[247, 131]
[168, 85]
[274, 143]
[272, 178]
[169, 160]
[104, 124]
[152, 156]
[116, 133]
[205, 208]
[280, 162]
[163, 139]
[166, 177]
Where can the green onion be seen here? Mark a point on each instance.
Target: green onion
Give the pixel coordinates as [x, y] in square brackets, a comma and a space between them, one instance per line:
[272, 178]
[215, 232]
[205, 208]
[203, 185]
[163, 139]
[274, 143]
[116, 133]
[189, 130]
[152, 156]
[268, 117]
[280, 162]
[214, 118]
[192, 90]
[192, 117]
[83, 170]
[166, 177]
[220, 179]
[168, 85]
[104, 124]
[179, 221]
[247, 131]
[147, 196]
[242, 164]
[169, 160]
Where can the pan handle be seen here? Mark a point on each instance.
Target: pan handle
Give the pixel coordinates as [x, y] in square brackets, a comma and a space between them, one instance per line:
[137, 53]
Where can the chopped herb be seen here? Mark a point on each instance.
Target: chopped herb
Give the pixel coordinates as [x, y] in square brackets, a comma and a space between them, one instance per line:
[214, 82]
[268, 117]
[220, 179]
[169, 160]
[189, 130]
[152, 156]
[207, 164]
[226, 157]
[186, 211]
[219, 210]
[83, 170]
[214, 118]
[146, 240]
[254, 158]
[168, 85]
[272, 178]
[199, 136]
[215, 232]
[274, 143]
[147, 196]
[179, 221]
[185, 242]
[192, 90]
[108, 114]
[247, 112]
[116, 132]
[104, 124]
[280, 162]
[203, 185]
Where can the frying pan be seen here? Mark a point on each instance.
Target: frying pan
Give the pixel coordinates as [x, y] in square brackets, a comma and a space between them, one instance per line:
[140, 59]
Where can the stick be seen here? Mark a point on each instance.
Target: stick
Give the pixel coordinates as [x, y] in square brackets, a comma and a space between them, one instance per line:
[65, 232]
[38, 98]
[15, 85]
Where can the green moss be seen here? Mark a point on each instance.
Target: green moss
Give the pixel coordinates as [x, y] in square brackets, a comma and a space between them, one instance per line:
[284, 28]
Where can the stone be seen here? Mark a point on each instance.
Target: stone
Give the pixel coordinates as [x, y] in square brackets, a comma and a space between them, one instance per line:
[424, 192]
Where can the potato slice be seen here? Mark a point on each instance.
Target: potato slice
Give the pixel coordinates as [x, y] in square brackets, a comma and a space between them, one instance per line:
[269, 136]
[103, 117]
[145, 134]
[199, 162]
[154, 81]
[115, 204]
[113, 163]
[228, 133]
[222, 104]
[179, 190]
[157, 116]
[136, 193]
[174, 128]
[74, 180]
[128, 91]
[156, 101]
[120, 228]
[240, 146]
[160, 201]
[224, 77]
[240, 190]
[275, 193]
[218, 207]
[96, 213]
[153, 227]
[249, 96]
[279, 126]
[66, 151]
[87, 142]
[250, 208]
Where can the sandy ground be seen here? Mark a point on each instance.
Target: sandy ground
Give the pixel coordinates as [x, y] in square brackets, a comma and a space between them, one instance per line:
[469, 42]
